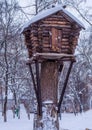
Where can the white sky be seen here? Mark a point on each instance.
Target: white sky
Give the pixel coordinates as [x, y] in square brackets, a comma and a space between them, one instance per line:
[31, 10]
[89, 3]
[30, 2]
[26, 2]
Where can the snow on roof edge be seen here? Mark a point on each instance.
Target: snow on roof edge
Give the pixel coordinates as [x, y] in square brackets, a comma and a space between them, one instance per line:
[48, 12]
[74, 18]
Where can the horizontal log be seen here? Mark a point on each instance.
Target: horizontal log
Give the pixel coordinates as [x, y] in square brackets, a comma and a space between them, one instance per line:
[55, 25]
[31, 35]
[34, 33]
[34, 37]
[65, 29]
[65, 33]
[64, 50]
[45, 31]
[54, 16]
[58, 17]
[39, 32]
[35, 44]
[34, 25]
[34, 41]
[56, 22]
[45, 35]
[65, 40]
[74, 43]
[46, 38]
[53, 55]
[65, 43]
[68, 59]
[65, 36]
[46, 48]
[45, 43]
[66, 46]
[34, 30]
[27, 32]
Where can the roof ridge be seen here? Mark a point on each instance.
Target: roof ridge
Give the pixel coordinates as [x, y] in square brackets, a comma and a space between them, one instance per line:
[50, 11]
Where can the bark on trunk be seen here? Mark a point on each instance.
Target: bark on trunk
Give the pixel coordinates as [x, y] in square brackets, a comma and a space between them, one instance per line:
[2, 100]
[5, 100]
[49, 83]
[6, 82]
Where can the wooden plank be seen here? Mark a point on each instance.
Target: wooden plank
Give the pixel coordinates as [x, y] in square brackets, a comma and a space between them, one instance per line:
[53, 55]
[58, 16]
[55, 25]
[65, 39]
[33, 80]
[56, 22]
[65, 47]
[46, 49]
[38, 88]
[64, 87]
[46, 45]
[65, 43]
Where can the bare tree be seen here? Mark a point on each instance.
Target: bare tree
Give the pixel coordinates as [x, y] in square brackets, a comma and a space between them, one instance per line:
[79, 89]
[11, 46]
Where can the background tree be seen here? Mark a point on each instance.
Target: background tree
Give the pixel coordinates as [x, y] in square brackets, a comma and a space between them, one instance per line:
[79, 89]
[12, 52]
[13, 76]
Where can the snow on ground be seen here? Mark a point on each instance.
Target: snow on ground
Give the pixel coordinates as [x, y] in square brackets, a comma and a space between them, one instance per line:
[17, 124]
[78, 122]
[68, 121]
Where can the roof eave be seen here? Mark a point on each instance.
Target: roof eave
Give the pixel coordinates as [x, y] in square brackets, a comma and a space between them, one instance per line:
[43, 15]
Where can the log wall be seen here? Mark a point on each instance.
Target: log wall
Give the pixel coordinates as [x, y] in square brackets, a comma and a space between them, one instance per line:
[45, 35]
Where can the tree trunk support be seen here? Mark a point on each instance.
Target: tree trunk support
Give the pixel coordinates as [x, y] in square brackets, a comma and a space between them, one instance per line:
[33, 79]
[48, 83]
[36, 87]
[65, 85]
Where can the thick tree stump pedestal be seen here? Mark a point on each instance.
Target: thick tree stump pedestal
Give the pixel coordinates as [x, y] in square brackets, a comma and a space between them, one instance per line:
[49, 119]
[49, 89]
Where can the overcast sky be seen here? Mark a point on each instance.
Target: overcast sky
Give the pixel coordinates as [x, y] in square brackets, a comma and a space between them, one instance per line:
[26, 2]
[30, 2]
[30, 10]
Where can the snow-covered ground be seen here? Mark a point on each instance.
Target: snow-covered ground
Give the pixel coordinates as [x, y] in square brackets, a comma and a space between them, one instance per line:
[17, 124]
[78, 122]
[68, 121]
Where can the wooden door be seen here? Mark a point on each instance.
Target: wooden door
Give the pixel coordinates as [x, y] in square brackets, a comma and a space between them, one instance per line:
[56, 39]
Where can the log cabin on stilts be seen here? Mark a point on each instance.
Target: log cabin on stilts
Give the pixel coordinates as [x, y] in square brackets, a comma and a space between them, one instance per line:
[51, 37]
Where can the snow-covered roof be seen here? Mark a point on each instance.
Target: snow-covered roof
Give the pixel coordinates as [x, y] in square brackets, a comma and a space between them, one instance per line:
[50, 11]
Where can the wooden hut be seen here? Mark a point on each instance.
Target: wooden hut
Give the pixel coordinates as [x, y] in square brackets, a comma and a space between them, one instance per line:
[51, 38]
[53, 32]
